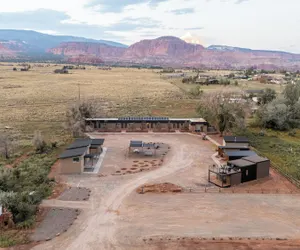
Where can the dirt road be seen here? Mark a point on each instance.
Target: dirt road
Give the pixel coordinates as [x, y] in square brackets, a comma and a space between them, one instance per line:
[116, 217]
[98, 229]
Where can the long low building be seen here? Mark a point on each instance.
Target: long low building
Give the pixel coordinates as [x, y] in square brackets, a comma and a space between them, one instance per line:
[145, 124]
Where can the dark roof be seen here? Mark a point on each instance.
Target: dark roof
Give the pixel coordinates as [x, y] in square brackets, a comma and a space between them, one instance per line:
[80, 143]
[148, 145]
[97, 142]
[136, 144]
[242, 153]
[256, 159]
[241, 163]
[70, 153]
[233, 147]
[237, 139]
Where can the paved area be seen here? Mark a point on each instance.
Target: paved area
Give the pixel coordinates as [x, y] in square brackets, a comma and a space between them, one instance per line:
[56, 222]
[116, 217]
[75, 194]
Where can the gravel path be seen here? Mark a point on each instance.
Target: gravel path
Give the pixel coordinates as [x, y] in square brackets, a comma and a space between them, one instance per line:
[57, 221]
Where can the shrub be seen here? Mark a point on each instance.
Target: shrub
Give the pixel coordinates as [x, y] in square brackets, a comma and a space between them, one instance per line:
[39, 143]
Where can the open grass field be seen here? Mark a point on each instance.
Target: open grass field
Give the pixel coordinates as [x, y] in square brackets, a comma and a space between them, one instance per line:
[38, 99]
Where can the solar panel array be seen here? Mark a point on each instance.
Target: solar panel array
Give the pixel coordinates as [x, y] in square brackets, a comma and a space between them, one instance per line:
[143, 119]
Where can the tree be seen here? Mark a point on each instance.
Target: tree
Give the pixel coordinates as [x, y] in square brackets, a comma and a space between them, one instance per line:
[292, 93]
[267, 96]
[76, 115]
[6, 145]
[39, 143]
[220, 111]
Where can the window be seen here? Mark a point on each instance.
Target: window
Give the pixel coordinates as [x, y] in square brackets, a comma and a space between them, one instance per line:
[76, 159]
[247, 172]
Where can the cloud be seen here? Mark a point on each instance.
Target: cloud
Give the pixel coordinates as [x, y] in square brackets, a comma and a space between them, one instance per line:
[194, 28]
[39, 19]
[183, 11]
[134, 24]
[241, 1]
[119, 5]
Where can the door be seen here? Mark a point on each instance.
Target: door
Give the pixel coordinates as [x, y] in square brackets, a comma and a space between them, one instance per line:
[249, 173]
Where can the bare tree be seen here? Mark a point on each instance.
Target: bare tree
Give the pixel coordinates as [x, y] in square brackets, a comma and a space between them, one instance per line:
[39, 143]
[76, 115]
[7, 145]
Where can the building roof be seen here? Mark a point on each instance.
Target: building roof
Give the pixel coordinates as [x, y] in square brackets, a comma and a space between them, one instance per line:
[80, 143]
[242, 153]
[197, 120]
[236, 139]
[256, 159]
[97, 142]
[241, 163]
[136, 144]
[233, 147]
[70, 153]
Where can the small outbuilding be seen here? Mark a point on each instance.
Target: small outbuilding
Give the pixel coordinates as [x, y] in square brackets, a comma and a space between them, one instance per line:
[235, 155]
[96, 146]
[262, 165]
[235, 141]
[223, 149]
[81, 154]
[147, 149]
[72, 160]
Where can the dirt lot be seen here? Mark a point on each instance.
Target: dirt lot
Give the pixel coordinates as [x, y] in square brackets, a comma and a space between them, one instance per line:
[118, 160]
[116, 217]
[75, 194]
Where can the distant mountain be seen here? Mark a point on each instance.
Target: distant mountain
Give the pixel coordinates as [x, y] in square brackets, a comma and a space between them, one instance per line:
[163, 51]
[75, 49]
[172, 51]
[26, 41]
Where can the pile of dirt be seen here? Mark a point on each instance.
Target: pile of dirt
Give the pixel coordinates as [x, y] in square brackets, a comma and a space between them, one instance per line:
[159, 188]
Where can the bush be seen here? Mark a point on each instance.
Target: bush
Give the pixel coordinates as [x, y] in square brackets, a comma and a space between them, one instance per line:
[27, 224]
[196, 91]
[39, 143]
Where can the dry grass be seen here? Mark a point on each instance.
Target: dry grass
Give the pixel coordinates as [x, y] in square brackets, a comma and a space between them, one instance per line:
[39, 98]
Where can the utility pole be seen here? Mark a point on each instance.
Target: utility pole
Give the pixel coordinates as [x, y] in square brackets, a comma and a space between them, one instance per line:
[79, 92]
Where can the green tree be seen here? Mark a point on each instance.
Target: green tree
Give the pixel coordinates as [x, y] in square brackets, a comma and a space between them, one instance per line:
[267, 96]
[292, 93]
[221, 112]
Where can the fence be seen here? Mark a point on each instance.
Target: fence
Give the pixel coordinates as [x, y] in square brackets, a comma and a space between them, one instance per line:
[281, 171]
[237, 190]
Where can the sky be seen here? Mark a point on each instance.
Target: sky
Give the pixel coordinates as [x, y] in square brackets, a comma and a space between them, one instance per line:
[256, 24]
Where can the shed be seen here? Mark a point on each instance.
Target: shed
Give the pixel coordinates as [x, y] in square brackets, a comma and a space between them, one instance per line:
[262, 164]
[235, 141]
[235, 155]
[223, 149]
[96, 146]
[80, 143]
[248, 169]
[72, 160]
